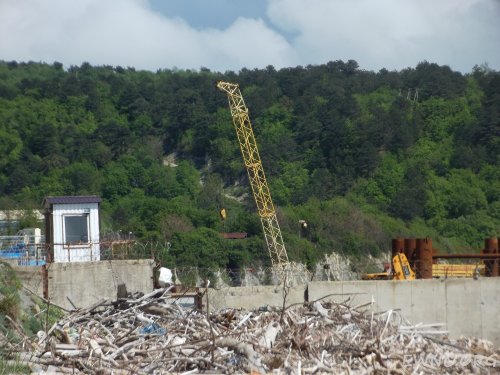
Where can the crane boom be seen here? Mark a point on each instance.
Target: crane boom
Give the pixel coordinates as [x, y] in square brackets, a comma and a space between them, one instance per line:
[253, 164]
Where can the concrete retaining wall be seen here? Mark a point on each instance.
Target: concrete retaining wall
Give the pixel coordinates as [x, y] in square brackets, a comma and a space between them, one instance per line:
[467, 307]
[85, 283]
[252, 297]
[31, 277]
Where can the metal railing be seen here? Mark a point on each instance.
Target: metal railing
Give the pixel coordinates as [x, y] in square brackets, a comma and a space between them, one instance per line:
[25, 248]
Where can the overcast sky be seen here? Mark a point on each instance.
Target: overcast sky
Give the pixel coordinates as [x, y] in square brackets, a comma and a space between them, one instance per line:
[231, 34]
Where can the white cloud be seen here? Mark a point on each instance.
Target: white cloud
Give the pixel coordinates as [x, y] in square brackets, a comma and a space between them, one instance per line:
[248, 43]
[392, 33]
[129, 33]
[383, 33]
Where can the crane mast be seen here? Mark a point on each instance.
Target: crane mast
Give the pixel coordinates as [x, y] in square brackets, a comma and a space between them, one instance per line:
[253, 164]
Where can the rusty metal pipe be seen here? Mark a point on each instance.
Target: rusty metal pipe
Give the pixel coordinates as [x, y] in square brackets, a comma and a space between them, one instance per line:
[466, 256]
[410, 250]
[424, 258]
[491, 248]
[398, 246]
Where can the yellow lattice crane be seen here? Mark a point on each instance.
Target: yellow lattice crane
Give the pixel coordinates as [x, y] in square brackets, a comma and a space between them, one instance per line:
[253, 164]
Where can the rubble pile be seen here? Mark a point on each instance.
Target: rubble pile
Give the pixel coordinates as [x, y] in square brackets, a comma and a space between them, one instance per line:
[154, 334]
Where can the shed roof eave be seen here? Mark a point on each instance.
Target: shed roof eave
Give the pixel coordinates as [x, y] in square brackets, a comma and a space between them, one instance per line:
[75, 199]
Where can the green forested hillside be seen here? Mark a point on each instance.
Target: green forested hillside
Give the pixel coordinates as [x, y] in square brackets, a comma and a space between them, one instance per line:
[361, 156]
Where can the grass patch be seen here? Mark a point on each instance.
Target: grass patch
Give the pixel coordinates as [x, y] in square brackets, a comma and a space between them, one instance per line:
[9, 367]
[32, 324]
[9, 291]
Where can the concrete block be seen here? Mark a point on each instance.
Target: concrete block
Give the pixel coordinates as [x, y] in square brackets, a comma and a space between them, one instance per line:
[463, 307]
[216, 299]
[85, 283]
[394, 295]
[253, 297]
[426, 301]
[359, 292]
[490, 309]
[332, 290]
[31, 277]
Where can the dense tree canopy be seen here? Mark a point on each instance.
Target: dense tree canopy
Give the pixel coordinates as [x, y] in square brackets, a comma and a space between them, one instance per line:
[361, 156]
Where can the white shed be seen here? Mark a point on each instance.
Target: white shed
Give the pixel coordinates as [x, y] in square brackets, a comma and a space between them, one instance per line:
[72, 228]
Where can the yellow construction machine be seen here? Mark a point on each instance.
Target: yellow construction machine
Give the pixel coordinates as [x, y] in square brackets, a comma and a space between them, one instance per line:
[401, 270]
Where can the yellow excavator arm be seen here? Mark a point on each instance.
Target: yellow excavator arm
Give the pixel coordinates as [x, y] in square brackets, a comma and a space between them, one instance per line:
[401, 269]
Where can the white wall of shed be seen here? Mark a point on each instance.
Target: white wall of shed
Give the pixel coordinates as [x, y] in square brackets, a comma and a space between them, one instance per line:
[76, 253]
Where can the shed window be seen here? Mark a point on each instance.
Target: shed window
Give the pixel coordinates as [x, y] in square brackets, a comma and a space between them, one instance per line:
[76, 229]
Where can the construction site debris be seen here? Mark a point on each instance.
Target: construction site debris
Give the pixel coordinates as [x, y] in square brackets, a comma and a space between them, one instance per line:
[154, 334]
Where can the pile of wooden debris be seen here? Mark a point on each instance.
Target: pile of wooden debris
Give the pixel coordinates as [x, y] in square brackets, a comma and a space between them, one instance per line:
[154, 334]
